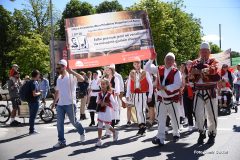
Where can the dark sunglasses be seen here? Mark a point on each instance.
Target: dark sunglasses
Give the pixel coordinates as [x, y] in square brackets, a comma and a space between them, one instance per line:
[58, 68]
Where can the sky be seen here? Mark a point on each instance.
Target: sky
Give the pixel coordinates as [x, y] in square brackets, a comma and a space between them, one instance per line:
[211, 12]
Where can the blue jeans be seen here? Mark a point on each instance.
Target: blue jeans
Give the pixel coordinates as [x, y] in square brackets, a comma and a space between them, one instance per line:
[70, 110]
[237, 91]
[33, 109]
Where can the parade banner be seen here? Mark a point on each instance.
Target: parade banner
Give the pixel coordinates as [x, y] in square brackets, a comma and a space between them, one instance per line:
[108, 38]
[223, 58]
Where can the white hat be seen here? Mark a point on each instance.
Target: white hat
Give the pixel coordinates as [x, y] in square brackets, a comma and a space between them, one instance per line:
[63, 62]
[112, 66]
[170, 54]
[205, 45]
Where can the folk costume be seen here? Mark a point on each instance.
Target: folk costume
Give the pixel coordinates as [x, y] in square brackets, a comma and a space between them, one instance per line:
[168, 99]
[204, 75]
[138, 85]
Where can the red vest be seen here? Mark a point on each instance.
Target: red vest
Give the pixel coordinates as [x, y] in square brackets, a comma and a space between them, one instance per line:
[106, 100]
[144, 87]
[169, 79]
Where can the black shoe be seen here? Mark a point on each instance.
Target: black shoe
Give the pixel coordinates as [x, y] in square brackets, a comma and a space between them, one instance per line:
[129, 123]
[139, 132]
[14, 123]
[92, 124]
[83, 117]
[201, 138]
[211, 139]
[143, 131]
[176, 138]
[157, 141]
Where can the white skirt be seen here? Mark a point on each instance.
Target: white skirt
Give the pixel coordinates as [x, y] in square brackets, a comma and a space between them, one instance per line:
[106, 116]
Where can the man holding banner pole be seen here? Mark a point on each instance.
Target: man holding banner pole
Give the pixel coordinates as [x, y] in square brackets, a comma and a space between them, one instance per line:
[66, 96]
[169, 84]
[139, 83]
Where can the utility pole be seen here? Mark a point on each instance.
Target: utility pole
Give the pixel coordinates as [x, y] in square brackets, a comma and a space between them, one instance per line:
[52, 43]
[220, 37]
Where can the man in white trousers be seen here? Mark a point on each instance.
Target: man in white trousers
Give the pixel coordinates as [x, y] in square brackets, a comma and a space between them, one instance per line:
[139, 84]
[169, 84]
[204, 75]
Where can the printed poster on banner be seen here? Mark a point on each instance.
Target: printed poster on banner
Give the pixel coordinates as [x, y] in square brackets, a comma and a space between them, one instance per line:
[102, 39]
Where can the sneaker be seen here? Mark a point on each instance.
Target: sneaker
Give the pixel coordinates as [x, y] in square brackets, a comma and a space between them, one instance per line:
[59, 145]
[115, 137]
[34, 132]
[82, 138]
[201, 138]
[157, 141]
[99, 143]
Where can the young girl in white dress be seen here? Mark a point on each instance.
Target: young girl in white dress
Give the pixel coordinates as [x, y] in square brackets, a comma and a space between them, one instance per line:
[106, 103]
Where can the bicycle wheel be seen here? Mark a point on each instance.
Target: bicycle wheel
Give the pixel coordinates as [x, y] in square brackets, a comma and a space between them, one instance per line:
[5, 113]
[46, 115]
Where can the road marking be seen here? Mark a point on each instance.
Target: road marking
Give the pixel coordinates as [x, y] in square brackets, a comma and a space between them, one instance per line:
[222, 118]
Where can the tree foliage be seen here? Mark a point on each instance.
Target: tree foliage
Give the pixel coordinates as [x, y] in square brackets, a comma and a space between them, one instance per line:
[214, 48]
[31, 54]
[74, 8]
[109, 6]
[173, 30]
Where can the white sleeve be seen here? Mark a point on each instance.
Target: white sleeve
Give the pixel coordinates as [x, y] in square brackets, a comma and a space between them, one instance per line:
[97, 98]
[128, 87]
[121, 83]
[117, 85]
[113, 102]
[150, 85]
[233, 76]
[176, 84]
[57, 86]
[149, 68]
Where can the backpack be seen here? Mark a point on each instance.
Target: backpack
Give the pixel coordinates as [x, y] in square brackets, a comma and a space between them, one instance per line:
[25, 92]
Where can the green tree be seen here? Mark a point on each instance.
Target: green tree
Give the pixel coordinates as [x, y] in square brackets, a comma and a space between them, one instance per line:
[38, 12]
[173, 30]
[214, 48]
[31, 54]
[74, 8]
[109, 6]
[6, 32]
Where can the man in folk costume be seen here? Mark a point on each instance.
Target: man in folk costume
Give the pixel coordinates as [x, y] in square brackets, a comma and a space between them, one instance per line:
[138, 85]
[204, 75]
[169, 84]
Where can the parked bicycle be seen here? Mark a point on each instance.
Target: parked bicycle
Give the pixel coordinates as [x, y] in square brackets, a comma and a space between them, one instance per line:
[45, 113]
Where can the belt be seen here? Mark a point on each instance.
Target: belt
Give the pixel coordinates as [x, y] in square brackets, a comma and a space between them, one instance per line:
[175, 98]
[96, 90]
[205, 87]
[137, 90]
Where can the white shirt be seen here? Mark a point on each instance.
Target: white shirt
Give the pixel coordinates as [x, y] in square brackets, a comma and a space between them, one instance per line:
[172, 87]
[237, 75]
[67, 89]
[119, 76]
[225, 76]
[95, 85]
[149, 80]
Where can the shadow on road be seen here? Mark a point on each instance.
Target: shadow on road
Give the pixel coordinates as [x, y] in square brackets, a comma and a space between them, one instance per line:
[34, 155]
[14, 138]
[178, 151]
[236, 128]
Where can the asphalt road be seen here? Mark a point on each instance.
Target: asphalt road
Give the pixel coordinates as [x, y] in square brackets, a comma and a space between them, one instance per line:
[15, 143]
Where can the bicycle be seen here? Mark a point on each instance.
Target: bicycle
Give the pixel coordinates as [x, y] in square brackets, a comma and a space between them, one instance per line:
[45, 113]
